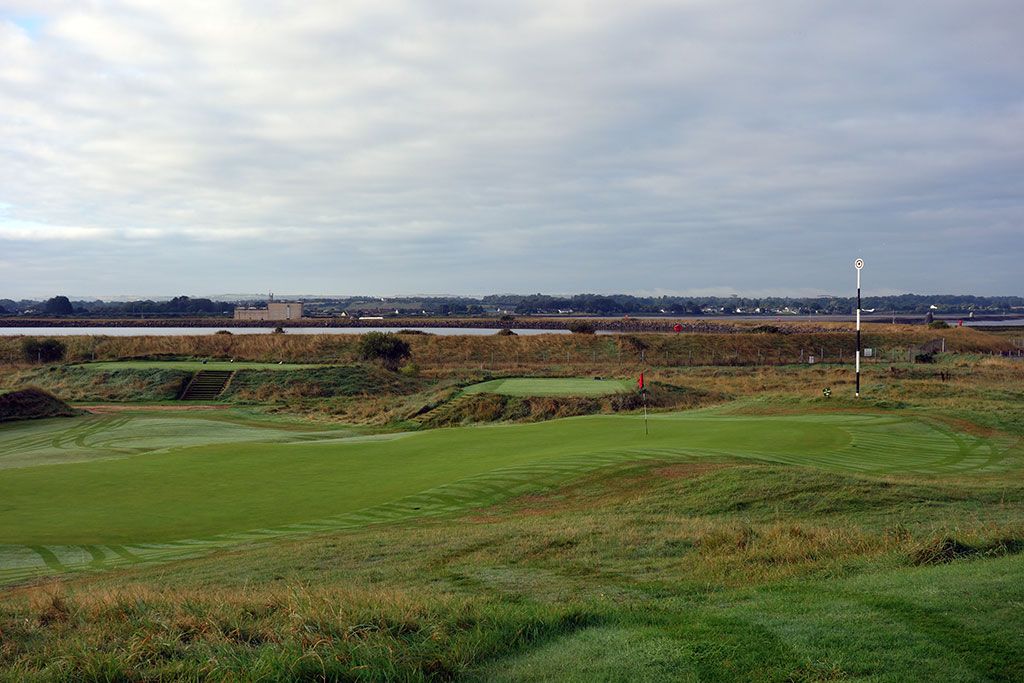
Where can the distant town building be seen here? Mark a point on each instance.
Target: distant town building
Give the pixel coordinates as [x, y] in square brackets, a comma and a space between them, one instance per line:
[275, 310]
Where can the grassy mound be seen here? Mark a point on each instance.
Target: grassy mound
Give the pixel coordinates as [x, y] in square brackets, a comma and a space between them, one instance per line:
[487, 406]
[253, 382]
[316, 382]
[88, 383]
[32, 404]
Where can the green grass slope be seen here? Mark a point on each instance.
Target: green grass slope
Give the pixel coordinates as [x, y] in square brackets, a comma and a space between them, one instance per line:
[551, 386]
[130, 433]
[924, 625]
[620, 576]
[151, 487]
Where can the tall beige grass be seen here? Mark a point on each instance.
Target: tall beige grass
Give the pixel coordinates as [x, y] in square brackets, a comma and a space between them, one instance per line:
[574, 352]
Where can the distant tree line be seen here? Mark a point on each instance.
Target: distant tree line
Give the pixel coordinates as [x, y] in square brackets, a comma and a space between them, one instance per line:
[624, 304]
[535, 304]
[62, 306]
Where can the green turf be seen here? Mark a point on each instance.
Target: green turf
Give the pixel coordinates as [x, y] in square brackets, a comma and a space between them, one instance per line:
[193, 365]
[165, 484]
[608, 579]
[121, 435]
[552, 386]
[913, 625]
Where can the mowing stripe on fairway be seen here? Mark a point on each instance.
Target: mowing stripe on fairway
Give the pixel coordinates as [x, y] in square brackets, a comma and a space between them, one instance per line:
[250, 483]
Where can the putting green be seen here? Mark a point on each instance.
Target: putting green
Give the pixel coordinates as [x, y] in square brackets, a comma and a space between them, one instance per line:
[121, 435]
[143, 487]
[193, 365]
[552, 386]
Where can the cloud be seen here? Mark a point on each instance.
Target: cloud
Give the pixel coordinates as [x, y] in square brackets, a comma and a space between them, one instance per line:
[515, 146]
[28, 231]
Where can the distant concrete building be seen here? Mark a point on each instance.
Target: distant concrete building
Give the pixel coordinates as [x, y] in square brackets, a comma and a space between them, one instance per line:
[275, 310]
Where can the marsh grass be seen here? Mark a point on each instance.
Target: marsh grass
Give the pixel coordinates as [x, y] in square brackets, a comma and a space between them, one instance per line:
[436, 352]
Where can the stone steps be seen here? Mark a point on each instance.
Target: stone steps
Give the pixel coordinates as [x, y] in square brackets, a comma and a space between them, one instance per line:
[206, 385]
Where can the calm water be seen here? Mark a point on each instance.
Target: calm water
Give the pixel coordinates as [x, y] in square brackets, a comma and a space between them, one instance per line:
[1016, 322]
[186, 331]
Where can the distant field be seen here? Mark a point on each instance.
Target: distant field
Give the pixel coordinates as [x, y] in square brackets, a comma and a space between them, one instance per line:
[552, 386]
[193, 365]
[148, 486]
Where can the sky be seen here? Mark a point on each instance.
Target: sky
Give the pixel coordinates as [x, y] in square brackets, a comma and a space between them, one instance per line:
[468, 147]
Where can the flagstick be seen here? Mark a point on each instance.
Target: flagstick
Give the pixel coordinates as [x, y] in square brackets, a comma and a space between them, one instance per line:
[646, 430]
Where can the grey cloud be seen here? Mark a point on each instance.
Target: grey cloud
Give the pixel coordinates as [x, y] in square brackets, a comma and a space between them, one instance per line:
[386, 147]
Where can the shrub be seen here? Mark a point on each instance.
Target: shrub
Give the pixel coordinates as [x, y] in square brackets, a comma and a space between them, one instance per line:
[582, 327]
[58, 305]
[410, 370]
[43, 350]
[939, 325]
[222, 332]
[505, 332]
[384, 348]
[32, 403]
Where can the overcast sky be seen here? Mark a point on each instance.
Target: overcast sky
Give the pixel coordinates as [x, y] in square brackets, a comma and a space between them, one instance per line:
[708, 147]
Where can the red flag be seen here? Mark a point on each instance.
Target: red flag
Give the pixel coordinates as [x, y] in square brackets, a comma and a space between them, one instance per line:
[640, 382]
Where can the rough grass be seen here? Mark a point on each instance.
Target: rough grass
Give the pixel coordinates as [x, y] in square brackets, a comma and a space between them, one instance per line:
[619, 575]
[483, 407]
[252, 383]
[318, 382]
[436, 353]
[194, 365]
[84, 383]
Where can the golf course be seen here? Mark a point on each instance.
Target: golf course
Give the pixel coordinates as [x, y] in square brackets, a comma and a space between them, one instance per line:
[339, 519]
[543, 342]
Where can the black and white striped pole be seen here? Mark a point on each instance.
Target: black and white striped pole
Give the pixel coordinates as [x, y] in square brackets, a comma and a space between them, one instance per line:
[858, 264]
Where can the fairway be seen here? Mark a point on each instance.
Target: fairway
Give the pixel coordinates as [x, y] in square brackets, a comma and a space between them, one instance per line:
[552, 386]
[98, 491]
[194, 365]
